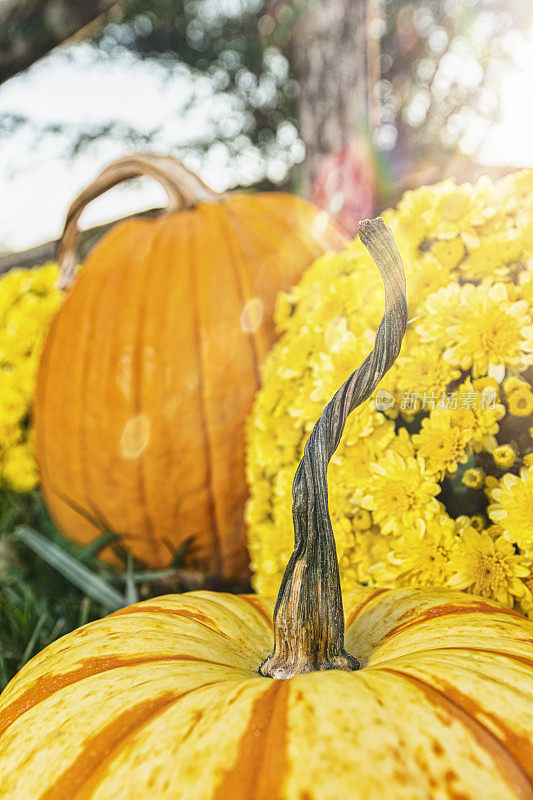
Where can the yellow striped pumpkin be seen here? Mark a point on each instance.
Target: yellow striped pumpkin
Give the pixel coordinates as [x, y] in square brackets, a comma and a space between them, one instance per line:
[163, 701]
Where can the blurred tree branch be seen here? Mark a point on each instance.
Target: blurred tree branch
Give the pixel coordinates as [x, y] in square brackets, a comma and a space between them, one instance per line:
[29, 29]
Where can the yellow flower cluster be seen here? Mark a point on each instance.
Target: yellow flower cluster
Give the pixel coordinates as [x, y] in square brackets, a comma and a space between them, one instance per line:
[28, 301]
[432, 483]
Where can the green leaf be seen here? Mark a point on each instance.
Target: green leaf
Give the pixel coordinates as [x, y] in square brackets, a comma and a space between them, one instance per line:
[82, 577]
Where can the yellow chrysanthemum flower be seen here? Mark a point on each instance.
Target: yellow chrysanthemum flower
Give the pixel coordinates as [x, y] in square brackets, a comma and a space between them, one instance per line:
[455, 209]
[489, 260]
[19, 469]
[491, 332]
[420, 372]
[513, 507]
[28, 301]
[488, 567]
[426, 275]
[402, 444]
[438, 313]
[441, 444]
[421, 556]
[477, 414]
[399, 492]
[367, 549]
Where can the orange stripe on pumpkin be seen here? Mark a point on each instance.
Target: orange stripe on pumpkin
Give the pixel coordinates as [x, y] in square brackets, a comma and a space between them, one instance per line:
[261, 766]
[512, 755]
[256, 605]
[528, 662]
[47, 685]
[80, 780]
[414, 618]
[355, 612]
[85, 774]
[185, 613]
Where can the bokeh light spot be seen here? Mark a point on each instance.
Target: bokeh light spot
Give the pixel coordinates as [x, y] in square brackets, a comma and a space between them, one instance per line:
[252, 315]
[135, 436]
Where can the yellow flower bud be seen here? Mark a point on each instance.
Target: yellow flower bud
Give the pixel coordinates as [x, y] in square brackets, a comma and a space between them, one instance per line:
[520, 402]
[362, 520]
[448, 251]
[473, 478]
[504, 456]
[513, 383]
[495, 531]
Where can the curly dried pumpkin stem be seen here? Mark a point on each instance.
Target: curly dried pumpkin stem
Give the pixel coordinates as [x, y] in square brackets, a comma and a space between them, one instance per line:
[308, 617]
[184, 190]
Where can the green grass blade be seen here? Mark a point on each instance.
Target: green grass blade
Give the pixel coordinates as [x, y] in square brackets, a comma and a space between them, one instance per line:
[86, 580]
[91, 550]
[131, 594]
[143, 577]
[4, 672]
[85, 610]
[28, 652]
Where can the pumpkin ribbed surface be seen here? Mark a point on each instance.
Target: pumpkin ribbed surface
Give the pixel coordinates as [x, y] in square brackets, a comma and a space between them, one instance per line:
[162, 700]
[150, 368]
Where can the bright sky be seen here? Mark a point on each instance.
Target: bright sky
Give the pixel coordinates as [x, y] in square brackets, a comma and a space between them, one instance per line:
[510, 142]
[37, 181]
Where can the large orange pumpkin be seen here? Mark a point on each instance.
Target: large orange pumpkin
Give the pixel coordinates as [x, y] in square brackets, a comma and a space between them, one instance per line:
[152, 362]
[432, 699]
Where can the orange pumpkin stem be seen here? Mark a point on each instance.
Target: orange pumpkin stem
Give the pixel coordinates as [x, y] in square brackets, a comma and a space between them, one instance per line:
[183, 187]
[308, 616]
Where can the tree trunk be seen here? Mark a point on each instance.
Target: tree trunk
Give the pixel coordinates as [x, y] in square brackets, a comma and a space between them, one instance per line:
[29, 29]
[334, 64]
